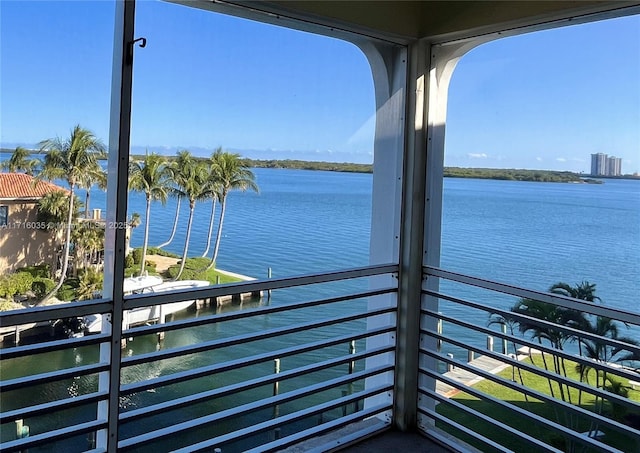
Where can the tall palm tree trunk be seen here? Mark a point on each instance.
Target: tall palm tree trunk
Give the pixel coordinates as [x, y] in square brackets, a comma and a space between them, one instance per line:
[186, 241]
[146, 235]
[67, 245]
[213, 212]
[86, 204]
[223, 205]
[175, 225]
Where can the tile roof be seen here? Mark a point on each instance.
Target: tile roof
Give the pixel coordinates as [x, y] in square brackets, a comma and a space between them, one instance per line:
[20, 185]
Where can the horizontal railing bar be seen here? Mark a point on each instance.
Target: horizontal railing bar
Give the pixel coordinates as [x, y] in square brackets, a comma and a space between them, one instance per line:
[568, 407]
[509, 314]
[150, 436]
[68, 310]
[143, 300]
[55, 345]
[232, 316]
[52, 376]
[245, 385]
[523, 412]
[462, 408]
[523, 341]
[242, 362]
[291, 418]
[50, 407]
[555, 299]
[272, 424]
[531, 368]
[52, 436]
[248, 337]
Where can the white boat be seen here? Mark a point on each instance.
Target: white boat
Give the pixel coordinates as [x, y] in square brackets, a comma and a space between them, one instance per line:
[147, 284]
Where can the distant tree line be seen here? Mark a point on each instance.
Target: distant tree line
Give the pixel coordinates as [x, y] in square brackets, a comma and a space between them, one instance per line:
[449, 172]
[514, 174]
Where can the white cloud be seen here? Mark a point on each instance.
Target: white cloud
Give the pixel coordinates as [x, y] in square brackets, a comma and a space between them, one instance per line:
[477, 155]
[561, 159]
[539, 159]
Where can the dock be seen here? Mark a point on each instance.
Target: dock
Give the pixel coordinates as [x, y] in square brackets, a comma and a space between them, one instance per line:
[231, 298]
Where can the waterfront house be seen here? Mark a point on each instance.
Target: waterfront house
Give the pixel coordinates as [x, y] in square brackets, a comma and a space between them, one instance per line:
[393, 382]
[22, 241]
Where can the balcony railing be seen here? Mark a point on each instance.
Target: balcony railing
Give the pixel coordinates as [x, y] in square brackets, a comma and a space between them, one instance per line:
[265, 376]
[556, 383]
[321, 358]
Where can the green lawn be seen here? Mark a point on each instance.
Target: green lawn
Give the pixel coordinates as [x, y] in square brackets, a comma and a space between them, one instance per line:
[524, 424]
[194, 270]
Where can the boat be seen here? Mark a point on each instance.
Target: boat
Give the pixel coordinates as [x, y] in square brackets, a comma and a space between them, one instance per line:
[146, 284]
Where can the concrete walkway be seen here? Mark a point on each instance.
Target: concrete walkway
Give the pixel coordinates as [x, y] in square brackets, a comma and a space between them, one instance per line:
[467, 378]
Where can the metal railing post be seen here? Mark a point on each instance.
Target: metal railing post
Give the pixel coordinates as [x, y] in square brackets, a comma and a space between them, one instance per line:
[115, 238]
[411, 242]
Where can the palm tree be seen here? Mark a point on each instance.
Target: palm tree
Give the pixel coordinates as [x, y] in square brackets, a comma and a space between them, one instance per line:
[69, 159]
[172, 170]
[89, 283]
[214, 182]
[599, 350]
[583, 291]
[546, 312]
[234, 175]
[94, 175]
[191, 183]
[88, 239]
[20, 162]
[53, 208]
[150, 177]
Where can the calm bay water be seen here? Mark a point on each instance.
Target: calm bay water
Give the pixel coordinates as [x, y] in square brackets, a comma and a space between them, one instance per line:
[524, 233]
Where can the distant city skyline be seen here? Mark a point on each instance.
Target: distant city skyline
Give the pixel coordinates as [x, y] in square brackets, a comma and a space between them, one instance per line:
[604, 165]
[535, 101]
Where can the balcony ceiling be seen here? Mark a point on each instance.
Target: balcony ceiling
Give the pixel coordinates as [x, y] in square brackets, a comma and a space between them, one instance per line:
[406, 21]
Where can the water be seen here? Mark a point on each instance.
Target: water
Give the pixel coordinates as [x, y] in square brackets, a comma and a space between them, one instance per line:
[528, 234]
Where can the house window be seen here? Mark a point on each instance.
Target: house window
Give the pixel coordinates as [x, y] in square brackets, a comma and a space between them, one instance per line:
[4, 215]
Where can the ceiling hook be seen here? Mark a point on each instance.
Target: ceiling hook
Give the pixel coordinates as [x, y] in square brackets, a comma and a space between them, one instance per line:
[132, 44]
[142, 44]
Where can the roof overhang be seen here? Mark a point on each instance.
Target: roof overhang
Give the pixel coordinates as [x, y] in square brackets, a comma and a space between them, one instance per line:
[407, 21]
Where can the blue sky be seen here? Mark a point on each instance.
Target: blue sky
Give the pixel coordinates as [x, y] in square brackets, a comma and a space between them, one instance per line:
[546, 100]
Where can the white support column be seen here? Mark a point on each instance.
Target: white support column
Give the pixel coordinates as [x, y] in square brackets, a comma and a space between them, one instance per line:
[442, 62]
[115, 240]
[388, 66]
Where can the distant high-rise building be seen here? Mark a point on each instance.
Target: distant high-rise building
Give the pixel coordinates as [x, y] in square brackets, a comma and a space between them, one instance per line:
[603, 165]
[598, 164]
[614, 166]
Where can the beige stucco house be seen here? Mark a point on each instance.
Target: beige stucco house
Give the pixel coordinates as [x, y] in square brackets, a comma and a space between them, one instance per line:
[22, 243]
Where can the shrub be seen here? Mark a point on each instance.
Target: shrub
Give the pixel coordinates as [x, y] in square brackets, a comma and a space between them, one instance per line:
[41, 286]
[129, 261]
[161, 252]
[66, 292]
[192, 268]
[17, 283]
[6, 305]
[137, 255]
[135, 270]
[39, 271]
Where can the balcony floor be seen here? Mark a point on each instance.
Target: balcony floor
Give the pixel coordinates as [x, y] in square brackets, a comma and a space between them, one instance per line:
[395, 441]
